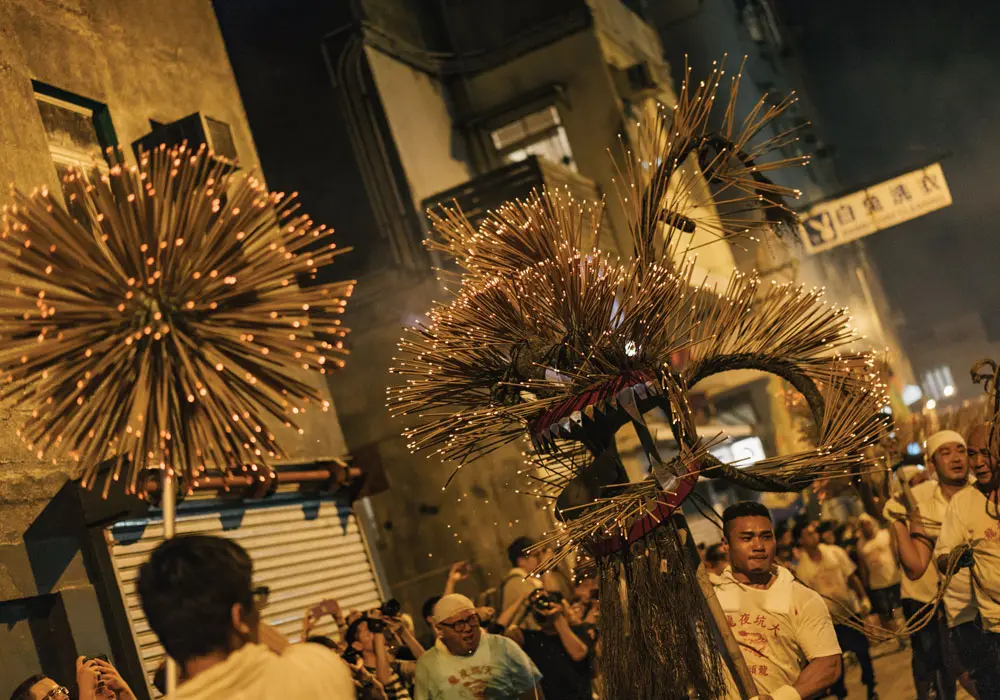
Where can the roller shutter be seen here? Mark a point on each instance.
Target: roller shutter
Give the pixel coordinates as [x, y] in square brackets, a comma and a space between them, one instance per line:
[305, 550]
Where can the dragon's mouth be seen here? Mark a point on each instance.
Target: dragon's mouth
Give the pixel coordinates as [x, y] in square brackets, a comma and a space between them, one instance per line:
[600, 409]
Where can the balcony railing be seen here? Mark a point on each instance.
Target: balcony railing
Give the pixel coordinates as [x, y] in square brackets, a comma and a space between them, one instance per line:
[516, 181]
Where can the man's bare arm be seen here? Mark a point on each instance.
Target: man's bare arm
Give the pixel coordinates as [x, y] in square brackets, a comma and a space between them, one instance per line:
[914, 552]
[817, 676]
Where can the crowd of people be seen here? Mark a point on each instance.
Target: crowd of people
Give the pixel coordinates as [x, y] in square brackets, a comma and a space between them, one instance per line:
[797, 596]
[926, 574]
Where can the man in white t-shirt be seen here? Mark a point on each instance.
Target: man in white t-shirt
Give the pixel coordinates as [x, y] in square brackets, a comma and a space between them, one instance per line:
[879, 569]
[915, 525]
[782, 627]
[828, 570]
[971, 520]
[467, 663]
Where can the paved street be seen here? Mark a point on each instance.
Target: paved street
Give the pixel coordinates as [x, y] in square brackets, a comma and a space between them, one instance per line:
[892, 671]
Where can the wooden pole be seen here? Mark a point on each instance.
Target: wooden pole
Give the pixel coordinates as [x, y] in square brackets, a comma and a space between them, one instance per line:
[169, 505]
[729, 647]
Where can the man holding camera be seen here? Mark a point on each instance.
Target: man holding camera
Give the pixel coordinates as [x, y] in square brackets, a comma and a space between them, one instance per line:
[468, 663]
[558, 649]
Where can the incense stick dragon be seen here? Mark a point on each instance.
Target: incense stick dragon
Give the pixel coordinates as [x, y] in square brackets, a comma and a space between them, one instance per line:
[548, 335]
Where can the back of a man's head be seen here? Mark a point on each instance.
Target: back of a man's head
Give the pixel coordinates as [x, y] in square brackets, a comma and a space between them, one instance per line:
[518, 549]
[188, 589]
[715, 554]
[743, 509]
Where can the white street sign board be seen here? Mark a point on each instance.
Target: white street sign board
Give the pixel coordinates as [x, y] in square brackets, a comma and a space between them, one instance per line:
[886, 204]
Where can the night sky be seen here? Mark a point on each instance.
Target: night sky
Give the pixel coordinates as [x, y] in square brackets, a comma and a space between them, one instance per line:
[897, 85]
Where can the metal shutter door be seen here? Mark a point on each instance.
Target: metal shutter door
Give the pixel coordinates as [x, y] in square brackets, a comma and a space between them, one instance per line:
[304, 549]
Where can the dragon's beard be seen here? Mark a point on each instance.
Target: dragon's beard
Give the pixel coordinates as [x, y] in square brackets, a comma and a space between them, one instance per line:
[656, 632]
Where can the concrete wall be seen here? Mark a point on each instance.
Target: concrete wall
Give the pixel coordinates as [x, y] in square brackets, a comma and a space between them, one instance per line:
[420, 119]
[420, 528]
[143, 59]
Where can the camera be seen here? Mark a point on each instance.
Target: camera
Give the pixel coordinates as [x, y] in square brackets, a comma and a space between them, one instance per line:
[376, 625]
[390, 608]
[543, 601]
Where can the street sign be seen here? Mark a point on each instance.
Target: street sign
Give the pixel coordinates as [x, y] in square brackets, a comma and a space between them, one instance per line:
[829, 224]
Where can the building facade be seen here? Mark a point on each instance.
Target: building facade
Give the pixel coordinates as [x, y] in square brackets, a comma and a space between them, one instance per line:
[390, 107]
[75, 79]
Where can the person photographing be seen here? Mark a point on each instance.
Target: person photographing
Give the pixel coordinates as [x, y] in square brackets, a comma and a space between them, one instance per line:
[559, 650]
[366, 637]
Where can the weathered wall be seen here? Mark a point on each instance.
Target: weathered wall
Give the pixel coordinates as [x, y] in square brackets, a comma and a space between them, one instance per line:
[420, 119]
[143, 59]
[421, 529]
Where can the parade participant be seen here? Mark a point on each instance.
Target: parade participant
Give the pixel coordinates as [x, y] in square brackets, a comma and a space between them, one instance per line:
[829, 571]
[971, 520]
[467, 662]
[199, 599]
[784, 629]
[914, 525]
[880, 570]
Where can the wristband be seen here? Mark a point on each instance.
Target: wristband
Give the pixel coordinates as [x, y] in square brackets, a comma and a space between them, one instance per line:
[786, 692]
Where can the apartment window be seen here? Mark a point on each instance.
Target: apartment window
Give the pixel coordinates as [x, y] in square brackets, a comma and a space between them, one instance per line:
[539, 134]
[77, 131]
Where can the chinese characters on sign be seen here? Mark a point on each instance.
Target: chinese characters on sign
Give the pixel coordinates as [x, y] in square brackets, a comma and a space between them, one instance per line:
[886, 204]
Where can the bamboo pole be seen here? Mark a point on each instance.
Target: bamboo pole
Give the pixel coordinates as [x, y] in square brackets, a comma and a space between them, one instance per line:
[730, 648]
[169, 505]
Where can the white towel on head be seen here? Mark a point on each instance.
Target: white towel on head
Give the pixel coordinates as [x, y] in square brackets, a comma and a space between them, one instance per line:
[451, 605]
[942, 437]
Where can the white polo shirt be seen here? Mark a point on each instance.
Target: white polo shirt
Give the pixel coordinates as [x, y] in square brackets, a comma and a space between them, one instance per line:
[959, 605]
[780, 629]
[967, 521]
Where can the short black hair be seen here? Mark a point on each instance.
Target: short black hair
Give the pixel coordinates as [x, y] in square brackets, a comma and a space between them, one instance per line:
[799, 528]
[428, 607]
[22, 692]
[826, 526]
[743, 509]
[519, 548]
[188, 588]
[354, 629]
[714, 553]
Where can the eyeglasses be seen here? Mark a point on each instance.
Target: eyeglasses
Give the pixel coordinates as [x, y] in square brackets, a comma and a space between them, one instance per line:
[57, 693]
[469, 623]
[260, 595]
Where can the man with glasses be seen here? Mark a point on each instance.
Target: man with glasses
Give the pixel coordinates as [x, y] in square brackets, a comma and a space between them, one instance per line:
[468, 663]
[96, 679]
[199, 599]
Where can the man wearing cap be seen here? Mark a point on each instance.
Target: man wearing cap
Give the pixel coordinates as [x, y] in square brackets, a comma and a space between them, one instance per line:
[916, 518]
[972, 521]
[468, 663]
